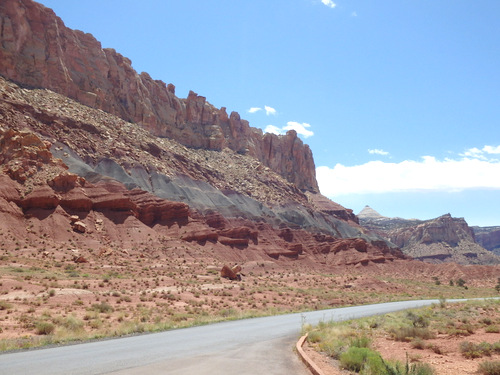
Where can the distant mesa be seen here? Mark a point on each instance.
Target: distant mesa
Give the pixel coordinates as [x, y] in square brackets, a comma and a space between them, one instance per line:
[443, 239]
[369, 213]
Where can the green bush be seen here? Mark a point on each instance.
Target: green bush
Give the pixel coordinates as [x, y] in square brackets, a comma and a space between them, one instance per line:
[361, 359]
[361, 342]
[489, 368]
[470, 350]
[496, 347]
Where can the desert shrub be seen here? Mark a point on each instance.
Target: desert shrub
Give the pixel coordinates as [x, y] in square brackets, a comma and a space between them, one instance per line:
[4, 305]
[44, 328]
[436, 349]
[469, 328]
[496, 347]
[361, 342]
[413, 369]
[486, 321]
[492, 329]
[314, 336]
[333, 348]
[72, 323]
[489, 368]
[407, 334]
[102, 307]
[470, 350]
[418, 321]
[418, 343]
[226, 313]
[358, 359]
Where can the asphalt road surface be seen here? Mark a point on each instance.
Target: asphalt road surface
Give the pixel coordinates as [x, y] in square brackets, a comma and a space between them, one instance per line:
[243, 347]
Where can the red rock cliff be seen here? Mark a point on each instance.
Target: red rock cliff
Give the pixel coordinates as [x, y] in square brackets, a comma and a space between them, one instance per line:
[38, 50]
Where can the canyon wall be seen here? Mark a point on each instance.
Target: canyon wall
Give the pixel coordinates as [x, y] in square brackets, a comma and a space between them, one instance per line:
[38, 50]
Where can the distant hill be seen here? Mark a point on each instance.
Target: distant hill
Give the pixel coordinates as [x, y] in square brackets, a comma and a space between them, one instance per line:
[443, 239]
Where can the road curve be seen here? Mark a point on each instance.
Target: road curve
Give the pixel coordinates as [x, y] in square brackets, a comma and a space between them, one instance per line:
[251, 346]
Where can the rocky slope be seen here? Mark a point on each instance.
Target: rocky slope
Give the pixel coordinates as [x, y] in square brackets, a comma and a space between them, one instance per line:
[444, 239]
[37, 50]
[116, 186]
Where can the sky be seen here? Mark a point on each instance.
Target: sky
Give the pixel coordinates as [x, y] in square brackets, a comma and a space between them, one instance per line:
[399, 100]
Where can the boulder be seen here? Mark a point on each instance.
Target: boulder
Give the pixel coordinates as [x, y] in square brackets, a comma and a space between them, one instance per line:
[231, 273]
[79, 227]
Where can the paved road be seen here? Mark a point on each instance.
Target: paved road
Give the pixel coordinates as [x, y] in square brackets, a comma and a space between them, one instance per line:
[244, 347]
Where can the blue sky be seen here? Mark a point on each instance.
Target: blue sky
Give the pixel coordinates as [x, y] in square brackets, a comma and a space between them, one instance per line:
[399, 100]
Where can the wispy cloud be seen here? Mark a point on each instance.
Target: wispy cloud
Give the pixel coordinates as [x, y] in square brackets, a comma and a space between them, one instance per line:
[427, 174]
[300, 128]
[483, 153]
[254, 109]
[269, 110]
[329, 3]
[354, 14]
[377, 151]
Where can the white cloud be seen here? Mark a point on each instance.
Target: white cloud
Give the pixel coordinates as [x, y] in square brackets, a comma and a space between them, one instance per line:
[354, 14]
[377, 151]
[491, 149]
[329, 3]
[483, 154]
[428, 174]
[269, 110]
[254, 109]
[273, 129]
[300, 128]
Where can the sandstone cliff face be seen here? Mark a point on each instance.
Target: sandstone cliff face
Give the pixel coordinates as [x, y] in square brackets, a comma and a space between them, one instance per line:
[488, 237]
[36, 49]
[444, 239]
